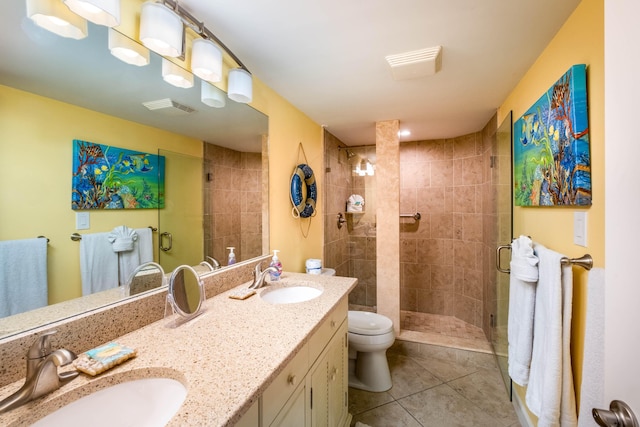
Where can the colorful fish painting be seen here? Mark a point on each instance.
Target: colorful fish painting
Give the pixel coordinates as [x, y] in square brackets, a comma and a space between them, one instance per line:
[106, 177]
[552, 165]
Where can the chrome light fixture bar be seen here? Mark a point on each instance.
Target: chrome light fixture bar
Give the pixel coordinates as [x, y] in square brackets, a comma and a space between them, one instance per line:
[240, 85]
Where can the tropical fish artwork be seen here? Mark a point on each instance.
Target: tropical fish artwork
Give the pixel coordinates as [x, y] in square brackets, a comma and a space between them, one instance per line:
[552, 165]
[106, 177]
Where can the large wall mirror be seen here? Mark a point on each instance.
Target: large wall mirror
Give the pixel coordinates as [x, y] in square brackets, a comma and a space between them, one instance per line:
[54, 90]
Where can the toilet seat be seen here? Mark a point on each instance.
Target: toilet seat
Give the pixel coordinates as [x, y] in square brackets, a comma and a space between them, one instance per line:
[367, 323]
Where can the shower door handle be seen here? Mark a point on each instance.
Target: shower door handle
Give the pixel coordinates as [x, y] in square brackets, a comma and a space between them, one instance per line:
[169, 239]
[498, 252]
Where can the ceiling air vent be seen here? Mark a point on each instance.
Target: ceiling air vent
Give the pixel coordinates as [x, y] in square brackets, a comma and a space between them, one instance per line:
[168, 106]
[414, 64]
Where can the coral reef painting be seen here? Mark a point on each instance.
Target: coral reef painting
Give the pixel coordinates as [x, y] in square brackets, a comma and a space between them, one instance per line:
[551, 146]
[106, 177]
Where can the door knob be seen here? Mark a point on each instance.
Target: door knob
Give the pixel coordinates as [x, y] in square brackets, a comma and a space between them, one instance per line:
[618, 415]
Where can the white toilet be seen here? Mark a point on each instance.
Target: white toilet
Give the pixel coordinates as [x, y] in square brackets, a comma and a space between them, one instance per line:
[370, 335]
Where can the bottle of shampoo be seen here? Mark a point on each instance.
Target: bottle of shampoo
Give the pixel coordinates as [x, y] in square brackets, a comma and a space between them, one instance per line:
[232, 256]
[275, 262]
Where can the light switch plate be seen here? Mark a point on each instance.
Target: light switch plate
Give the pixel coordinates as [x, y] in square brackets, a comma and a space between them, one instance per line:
[82, 220]
[580, 228]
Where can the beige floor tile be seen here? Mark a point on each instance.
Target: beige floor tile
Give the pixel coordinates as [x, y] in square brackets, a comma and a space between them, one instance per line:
[361, 401]
[443, 406]
[408, 376]
[486, 390]
[389, 415]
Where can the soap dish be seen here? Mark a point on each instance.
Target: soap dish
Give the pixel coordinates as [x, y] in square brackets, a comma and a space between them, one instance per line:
[102, 358]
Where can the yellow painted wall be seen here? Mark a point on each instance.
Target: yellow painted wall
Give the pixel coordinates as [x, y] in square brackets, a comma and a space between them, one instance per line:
[580, 41]
[288, 127]
[36, 135]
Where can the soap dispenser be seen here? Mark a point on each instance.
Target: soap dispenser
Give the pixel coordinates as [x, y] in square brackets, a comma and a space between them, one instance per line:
[232, 256]
[275, 262]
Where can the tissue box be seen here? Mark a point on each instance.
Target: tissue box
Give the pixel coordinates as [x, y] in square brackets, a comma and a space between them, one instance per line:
[314, 266]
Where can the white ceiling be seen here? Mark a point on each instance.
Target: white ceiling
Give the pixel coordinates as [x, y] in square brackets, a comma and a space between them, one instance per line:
[327, 57]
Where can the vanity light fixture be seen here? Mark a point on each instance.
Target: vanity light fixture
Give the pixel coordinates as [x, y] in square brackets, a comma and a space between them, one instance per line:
[212, 96]
[206, 60]
[176, 75]
[240, 86]
[54, 16]
[127, 50]
[101, 12]
[161, 29]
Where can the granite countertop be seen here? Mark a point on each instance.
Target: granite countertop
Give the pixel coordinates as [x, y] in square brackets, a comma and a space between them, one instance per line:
[226, 357]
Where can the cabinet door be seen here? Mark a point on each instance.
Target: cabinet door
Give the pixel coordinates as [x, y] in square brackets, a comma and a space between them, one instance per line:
[251, 418]
[319, 393]
[338, 381]
[294, 413]
[328, 383]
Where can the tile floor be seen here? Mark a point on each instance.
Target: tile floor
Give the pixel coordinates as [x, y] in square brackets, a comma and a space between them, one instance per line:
[437, 384]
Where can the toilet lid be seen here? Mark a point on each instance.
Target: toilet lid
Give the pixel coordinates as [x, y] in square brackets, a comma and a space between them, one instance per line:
[366, 323]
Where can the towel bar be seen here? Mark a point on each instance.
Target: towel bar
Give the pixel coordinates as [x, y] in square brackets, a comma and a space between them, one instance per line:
[77, 237]
[585, 261]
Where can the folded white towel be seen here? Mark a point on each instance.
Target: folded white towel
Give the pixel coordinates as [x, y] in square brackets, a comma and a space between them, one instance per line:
[550, 394]
[522, 293]
[122, 238]
[355, 203]
[592, 389]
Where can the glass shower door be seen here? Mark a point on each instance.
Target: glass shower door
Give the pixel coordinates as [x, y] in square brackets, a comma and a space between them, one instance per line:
[180, 223]
[502, 188]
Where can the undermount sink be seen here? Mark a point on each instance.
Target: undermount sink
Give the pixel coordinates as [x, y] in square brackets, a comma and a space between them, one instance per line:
[290, 294]
[145, 402]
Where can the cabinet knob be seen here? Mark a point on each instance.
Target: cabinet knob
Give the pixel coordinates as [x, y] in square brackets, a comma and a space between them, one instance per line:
[291, 379]
[334, 372]
[333, 323]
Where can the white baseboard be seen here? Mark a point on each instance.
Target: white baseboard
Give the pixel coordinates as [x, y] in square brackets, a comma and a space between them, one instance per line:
[521, 411]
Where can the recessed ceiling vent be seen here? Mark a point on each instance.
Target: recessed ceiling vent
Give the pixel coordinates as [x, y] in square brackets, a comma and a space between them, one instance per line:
[169, 106]
[414, 64]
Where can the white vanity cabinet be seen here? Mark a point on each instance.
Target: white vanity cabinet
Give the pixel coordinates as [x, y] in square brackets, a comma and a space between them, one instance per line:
[312, 389]
[328, 383]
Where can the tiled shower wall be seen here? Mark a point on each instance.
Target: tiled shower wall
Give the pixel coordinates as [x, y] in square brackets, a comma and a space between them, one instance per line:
[233, 203]
[441, 255]
[351, 250]
[337, 189]
[447, 260]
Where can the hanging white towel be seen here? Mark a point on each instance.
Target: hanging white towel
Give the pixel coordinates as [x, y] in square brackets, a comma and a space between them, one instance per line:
[522, 294]
[141, 252]
[23, 275]
[98, 263]
[145, 244]
[592, 388]
[550, 394]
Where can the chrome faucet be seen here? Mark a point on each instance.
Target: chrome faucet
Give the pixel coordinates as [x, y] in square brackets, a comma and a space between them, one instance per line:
[259, 276]
[42, 373]
[214, 262]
